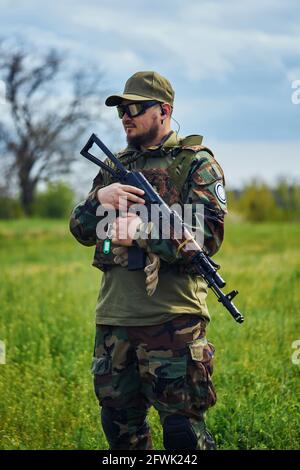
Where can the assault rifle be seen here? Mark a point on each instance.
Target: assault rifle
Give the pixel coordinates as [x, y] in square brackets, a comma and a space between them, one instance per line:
[190, 250]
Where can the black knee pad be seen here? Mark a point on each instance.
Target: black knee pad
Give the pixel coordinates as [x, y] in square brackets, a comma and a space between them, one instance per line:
[178, 433]
[110, 429]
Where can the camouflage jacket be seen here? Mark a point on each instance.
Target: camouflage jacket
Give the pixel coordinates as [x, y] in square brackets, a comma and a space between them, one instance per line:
[182, 171]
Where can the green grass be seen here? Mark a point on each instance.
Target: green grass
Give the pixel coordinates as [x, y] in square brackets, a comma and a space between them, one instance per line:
[48, 292]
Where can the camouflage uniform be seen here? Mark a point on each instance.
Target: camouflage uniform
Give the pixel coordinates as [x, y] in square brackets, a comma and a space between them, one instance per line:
[147, 357]
[168, 366]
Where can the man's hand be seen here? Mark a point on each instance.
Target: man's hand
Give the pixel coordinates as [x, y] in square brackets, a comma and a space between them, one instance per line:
[119, 196]
[121, 255]
[124, 229]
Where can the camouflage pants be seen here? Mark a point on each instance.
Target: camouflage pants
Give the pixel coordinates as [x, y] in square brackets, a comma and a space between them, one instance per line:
[168, 366]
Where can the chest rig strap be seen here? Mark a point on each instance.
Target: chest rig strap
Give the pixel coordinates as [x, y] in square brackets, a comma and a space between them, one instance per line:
[183, 154]
[184, 157]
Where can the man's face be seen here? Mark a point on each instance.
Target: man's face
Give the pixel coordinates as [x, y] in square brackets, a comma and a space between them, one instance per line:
[143, 128]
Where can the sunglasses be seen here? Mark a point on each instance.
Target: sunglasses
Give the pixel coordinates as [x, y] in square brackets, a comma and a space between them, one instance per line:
[135, 109]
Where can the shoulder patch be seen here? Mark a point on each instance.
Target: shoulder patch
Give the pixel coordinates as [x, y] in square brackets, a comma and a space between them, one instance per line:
[220, 192]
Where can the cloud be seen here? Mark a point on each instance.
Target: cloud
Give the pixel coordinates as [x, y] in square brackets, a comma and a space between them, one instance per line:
[194, 40]
[231, 63]
[262, 160]
[201, 40]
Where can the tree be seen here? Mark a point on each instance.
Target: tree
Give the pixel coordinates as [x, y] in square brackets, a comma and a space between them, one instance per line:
[56, 201]
[49, 105]
[288, 198]
[257, 203]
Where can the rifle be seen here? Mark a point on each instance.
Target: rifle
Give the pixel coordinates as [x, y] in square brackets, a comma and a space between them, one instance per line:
[192, 254]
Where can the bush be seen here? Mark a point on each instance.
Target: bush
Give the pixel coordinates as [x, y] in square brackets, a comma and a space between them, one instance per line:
[10, 208]
[55, 202]
[288, 200]
[257, 203]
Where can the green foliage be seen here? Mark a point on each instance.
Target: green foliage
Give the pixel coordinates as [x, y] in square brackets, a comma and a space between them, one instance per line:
[47, 295]
[10, 208]
[257, 203]
[55, 202]
[232, 201]
[288, 200]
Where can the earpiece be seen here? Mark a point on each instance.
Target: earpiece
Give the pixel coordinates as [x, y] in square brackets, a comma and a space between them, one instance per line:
[162, 112]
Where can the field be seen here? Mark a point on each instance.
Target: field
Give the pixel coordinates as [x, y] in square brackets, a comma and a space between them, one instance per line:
[48, 291]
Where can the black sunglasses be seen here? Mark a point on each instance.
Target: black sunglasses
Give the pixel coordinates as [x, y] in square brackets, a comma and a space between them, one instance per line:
[135, 109]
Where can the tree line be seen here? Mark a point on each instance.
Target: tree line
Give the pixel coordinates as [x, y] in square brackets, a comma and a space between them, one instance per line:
[256, 202]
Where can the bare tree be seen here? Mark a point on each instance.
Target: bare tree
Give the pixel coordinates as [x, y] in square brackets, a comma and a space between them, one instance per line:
[47, 110]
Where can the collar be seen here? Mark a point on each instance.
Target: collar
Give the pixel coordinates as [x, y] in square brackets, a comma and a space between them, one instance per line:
[168, 141]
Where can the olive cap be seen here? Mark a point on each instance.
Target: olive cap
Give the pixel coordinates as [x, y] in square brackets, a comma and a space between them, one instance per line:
[145, 86]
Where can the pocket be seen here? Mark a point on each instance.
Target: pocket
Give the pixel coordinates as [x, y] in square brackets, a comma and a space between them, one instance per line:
[116, 388]
[101, 365]
[168, 367]
[202, 351]
[200, 369]
[167, 382]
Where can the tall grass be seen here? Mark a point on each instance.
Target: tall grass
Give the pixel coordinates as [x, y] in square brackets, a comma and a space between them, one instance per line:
[48, 292]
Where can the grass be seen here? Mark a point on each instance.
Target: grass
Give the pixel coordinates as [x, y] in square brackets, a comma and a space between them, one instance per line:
[48, 292]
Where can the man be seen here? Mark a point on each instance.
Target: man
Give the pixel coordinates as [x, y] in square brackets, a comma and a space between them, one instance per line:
[150, 346]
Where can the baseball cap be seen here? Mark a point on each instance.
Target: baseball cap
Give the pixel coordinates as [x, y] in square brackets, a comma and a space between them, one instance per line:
[145, 86]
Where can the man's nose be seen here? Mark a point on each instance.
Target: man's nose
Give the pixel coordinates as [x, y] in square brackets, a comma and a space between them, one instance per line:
[127, 119]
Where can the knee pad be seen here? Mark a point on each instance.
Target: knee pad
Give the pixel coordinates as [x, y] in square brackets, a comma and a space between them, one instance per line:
[108, 425]
[134, 435]
[178, 433]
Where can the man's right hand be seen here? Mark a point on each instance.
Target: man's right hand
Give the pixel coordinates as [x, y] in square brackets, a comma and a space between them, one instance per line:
[119, 196]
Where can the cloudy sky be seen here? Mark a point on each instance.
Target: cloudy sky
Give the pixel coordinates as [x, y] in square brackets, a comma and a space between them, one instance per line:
[231, 63]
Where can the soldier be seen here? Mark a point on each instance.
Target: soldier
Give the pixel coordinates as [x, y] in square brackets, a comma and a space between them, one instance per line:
[150, 345]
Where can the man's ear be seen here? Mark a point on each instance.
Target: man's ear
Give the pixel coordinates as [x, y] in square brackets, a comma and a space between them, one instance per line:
[166, 110]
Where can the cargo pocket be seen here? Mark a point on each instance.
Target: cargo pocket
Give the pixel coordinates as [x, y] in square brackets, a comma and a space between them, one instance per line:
[115, 387]
[200, 367]
[102, 371]
[168, 368]
[168, 377]
[101, 365]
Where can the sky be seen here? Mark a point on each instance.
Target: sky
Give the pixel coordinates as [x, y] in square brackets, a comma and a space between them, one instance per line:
[233, 66]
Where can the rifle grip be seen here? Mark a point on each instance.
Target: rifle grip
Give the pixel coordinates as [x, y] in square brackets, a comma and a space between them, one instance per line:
[136, 258]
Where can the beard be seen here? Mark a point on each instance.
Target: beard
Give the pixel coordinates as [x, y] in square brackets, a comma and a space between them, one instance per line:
[143, 139]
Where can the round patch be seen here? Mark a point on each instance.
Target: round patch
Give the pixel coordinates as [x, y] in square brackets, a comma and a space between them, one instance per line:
[220, 193]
